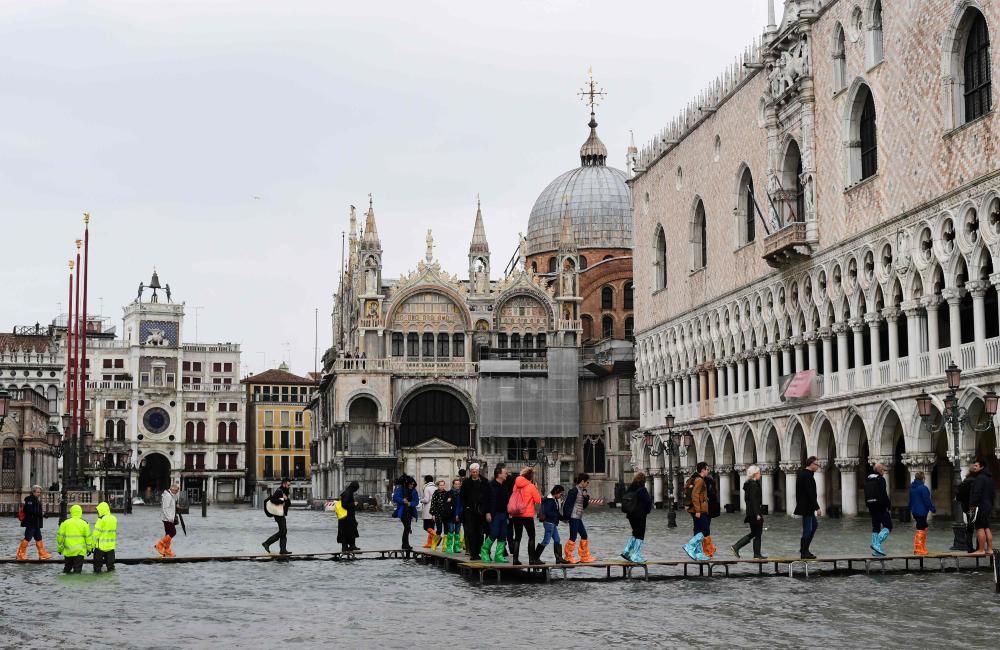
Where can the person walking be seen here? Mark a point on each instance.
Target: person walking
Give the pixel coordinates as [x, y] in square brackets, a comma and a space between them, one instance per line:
[636, 504]
[347, 526]
[521, 509]
[453, 529]
[168, 515]
[807, 505]
[920, 506]
[74, 540]
[281, 498]
[475, 495]
[440, 511]
[105, 538]
[877, 500]
[406, 499]
[696, 501]
[496, 516]
[753, 497]
[577, 501]
[550, 514]
[34, 518]
[425, 510]
[981, 499]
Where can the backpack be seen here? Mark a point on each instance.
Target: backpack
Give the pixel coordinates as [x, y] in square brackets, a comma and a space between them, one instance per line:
[688, 497]
[871, 491]
[630, 502]
[517, 503]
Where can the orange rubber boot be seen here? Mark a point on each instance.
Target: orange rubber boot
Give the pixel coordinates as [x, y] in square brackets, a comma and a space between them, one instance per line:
[430, 538]
[42, 553]
[22, 551]
[708, 546]
[585, 555]
[160, 546]
[167, 551]
[920, 543]
[568, 551]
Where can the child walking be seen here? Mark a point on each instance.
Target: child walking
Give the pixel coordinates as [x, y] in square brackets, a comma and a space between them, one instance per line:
[454, 529]
[440, 510]
[550, 515]
[576, 502]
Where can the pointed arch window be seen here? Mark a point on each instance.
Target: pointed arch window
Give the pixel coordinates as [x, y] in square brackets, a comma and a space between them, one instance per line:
[862, 137]
[746, 210]
[233, 432]
[120, 427]
[661, 260]
[583, 263]
[839, 59]
[699, 238]
[869, 139]
[976, 69]
[552, 265]
[607, 298]
[875, 34]
[607, 327]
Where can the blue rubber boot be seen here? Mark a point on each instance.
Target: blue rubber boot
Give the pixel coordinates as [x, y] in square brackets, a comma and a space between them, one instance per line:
[874, 545]
[700, 553]
[693, 547]
[882, 536]
[627, 552]
[637, 552]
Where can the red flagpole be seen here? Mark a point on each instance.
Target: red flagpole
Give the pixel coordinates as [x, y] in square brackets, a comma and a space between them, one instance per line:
[69, 349]
[83, 356]
[76, 343]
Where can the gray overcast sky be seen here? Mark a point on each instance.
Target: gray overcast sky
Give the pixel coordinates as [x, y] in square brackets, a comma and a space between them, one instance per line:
[166, 119]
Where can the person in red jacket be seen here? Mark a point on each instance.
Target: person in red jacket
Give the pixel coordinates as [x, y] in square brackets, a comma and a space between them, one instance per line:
[521, 509]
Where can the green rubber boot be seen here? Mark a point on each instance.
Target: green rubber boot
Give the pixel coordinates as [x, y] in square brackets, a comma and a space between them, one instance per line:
[451, 543]
[500, 554]
[484, 554]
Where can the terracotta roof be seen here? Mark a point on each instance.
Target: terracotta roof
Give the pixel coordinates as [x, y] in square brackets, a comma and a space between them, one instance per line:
[32, 342]
[315, 376]
[275, 376]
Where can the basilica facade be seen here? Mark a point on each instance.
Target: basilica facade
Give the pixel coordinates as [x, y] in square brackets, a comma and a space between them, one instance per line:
[430, 372]
[840, 192]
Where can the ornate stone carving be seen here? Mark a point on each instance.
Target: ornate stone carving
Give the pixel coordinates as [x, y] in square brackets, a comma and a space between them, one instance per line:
[919, 460]
[847, 464]
[789, 466]
[767, 468]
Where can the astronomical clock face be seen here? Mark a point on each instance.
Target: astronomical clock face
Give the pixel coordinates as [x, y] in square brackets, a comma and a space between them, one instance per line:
[156, 420]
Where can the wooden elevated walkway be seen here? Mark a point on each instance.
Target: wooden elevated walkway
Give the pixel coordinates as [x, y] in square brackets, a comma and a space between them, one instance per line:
[336, 556]
[834, 564]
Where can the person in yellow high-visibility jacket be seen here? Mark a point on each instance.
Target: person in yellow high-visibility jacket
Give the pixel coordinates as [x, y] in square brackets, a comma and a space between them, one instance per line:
[74, 541]
[105, 538]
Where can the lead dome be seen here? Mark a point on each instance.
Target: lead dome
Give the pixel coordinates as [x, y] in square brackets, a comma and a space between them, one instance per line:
[595, 196]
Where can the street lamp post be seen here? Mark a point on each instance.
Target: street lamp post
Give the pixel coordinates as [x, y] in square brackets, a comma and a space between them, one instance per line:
[676, 443]
[541, 456]
[954, 417]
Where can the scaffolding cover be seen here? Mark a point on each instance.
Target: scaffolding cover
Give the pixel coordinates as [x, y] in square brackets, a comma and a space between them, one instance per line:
[532, 406]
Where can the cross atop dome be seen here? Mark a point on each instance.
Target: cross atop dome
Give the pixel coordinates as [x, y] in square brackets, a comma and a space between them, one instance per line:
[593, 153]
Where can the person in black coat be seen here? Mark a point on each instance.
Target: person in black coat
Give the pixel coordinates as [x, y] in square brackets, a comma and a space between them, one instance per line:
[879, 505]
[807, 505]
[754, 498]
[281, 497]
[34, 517]
[475, 497]
[347, 528]
[981, 498]
[639, 505]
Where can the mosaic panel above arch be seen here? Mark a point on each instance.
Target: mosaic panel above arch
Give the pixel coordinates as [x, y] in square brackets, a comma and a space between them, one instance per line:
[428, 309]
[523, 312]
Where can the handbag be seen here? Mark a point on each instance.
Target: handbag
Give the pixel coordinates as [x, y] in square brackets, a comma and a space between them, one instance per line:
[339, 509]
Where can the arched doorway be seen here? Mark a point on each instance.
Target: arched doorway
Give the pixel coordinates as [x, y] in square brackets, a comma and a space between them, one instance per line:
[369, 458]
[434, 432]
[154, 476]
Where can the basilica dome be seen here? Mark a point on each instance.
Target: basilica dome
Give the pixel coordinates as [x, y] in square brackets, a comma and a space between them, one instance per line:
[593, 194]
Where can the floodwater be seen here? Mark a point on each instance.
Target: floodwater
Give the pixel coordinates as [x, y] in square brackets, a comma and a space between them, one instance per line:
[404, 604]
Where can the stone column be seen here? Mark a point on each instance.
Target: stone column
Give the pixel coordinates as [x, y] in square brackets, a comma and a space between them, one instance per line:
[752, 372]
[920, 462]
[978, 290]
[873, 318]
[954, 298]
[790, 469]
[664, 404]
[826, 336]
[913, 344]
[799, 358]
[643, 414]
[774, 363]
[730, 377]
[26, 470]
[741, 375]
[693, 380]
[843, 365]
[848, 484]
[820, 477]
[858, 330]
[931, 304]
[761, 368]
[767, 485]
[720, 378]
[655, 395]
[891, 315]
[811, 346]
[725, 483]
[658, 488]
[679, 392]
[995, 281]
[687, 389]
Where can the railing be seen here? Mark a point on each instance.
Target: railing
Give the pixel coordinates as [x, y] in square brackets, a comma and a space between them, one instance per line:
[850, 376]
[903, 368]
[433, 367]
[212, 388]
[371, 323]
[968, 355]
[575, 324]
[109, 385]
[993, 352]
[783, 243]
[944, 359]
[365, 450]
[924, 364]
[884, 374]
[361, 365]
[221, 347]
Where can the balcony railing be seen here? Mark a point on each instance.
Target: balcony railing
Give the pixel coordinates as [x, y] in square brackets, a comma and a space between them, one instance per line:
[786, 245]
[405, 366]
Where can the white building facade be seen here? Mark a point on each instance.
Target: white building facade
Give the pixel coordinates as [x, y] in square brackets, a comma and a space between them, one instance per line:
[842, 205]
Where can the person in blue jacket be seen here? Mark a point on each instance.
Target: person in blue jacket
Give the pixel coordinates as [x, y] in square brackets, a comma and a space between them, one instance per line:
[920, 505]
[407, 500]
[549, 515]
